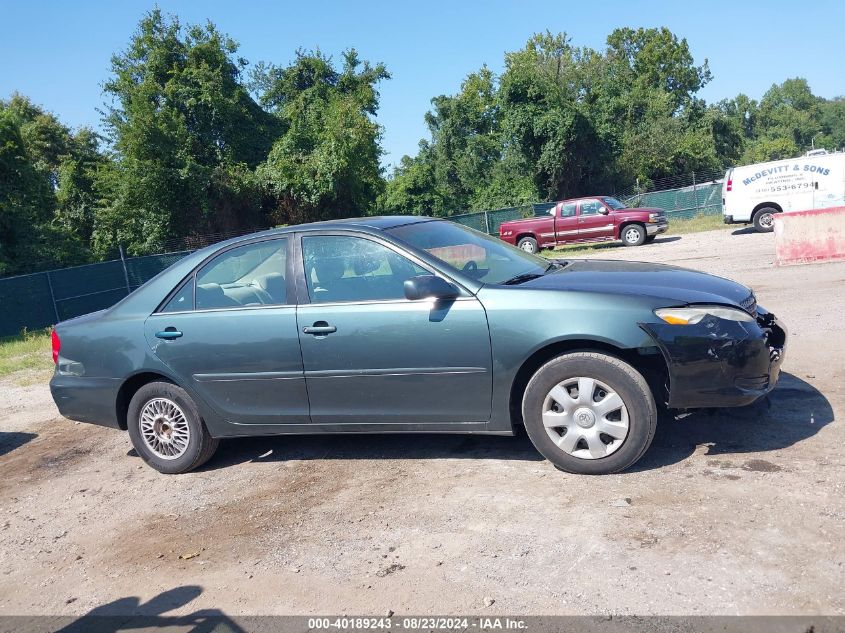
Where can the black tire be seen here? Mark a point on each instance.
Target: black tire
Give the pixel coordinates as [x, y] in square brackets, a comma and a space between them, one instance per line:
[628, 384]
[529, 245]
[200, 445]
[764, 220]
[633, 235]
[649, 238]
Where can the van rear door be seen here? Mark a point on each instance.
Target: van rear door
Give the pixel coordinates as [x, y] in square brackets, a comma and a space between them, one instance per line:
[829, 182]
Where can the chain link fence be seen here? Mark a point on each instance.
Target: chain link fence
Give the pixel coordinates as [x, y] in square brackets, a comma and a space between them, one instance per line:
[39, 300]
[682, 197]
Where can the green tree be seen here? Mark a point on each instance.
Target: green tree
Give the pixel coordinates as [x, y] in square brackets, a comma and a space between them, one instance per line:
[564, 121]
[326, 162]
[832, 121]
[48, 174]
[785, 122]
[187, 137]
[655, 59]
[26, 200]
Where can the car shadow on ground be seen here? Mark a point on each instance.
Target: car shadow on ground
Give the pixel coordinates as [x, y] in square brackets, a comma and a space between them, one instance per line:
[397, 446]
[131, 614]
[9, 441]
[747, 230]
[794, 411]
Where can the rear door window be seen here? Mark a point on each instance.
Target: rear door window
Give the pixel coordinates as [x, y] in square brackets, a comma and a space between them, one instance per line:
[568, 210]
[246, 276]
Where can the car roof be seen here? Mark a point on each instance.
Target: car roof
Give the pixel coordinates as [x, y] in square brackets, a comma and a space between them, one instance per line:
[601, 195]
[378, 222]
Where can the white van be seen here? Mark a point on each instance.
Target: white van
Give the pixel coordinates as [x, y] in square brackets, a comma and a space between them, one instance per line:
[754, 193]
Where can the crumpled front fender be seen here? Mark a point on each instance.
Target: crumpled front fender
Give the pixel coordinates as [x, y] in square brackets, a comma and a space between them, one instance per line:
[720, 363]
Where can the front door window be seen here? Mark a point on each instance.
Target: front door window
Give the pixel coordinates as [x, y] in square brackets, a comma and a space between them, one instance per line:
[346, 268]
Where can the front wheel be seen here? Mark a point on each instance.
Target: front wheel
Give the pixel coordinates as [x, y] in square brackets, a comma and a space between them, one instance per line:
[633, 235]
[166, 429]
[589, 413]
[764, 220]
[528, 244]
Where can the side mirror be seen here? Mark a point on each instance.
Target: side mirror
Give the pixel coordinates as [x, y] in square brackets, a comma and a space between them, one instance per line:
[604, 210]
[552, 211]
[429, 286]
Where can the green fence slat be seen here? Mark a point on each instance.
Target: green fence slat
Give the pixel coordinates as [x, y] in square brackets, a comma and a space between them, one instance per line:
[26, 302]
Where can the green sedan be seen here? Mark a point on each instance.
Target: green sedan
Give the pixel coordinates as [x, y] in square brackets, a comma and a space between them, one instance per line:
[411, 325]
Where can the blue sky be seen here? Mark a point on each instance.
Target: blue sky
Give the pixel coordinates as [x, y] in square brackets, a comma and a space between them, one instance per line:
[58, 52]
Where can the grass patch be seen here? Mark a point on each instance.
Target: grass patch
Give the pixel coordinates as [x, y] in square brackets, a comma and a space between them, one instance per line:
[696, 225]
[28, 352]
[676, 227]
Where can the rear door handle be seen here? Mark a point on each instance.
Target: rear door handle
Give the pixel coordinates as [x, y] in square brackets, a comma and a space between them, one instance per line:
[168, 334]
[319, 328]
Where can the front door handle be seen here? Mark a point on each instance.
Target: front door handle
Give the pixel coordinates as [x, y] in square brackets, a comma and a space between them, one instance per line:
[320, 328]
[168, 334]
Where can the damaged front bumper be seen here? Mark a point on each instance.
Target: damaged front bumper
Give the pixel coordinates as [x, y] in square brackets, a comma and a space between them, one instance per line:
[720, 363]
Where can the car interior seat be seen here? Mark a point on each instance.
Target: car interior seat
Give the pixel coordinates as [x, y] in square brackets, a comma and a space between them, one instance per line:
[274, 285]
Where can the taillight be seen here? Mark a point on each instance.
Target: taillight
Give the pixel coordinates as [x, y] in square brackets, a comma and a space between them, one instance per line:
[730, 185]
[57, 345]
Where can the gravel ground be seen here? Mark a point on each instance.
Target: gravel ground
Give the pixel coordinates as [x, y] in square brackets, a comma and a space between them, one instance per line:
[740, 512]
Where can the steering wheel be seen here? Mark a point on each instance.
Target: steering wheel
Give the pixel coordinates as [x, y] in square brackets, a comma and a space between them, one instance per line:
[470, 267]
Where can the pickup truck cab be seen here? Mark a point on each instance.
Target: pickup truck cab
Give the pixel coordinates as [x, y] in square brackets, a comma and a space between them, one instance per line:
[585, 220]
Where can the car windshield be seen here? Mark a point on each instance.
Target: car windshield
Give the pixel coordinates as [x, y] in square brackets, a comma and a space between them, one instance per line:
[475, 254]
[613, 203]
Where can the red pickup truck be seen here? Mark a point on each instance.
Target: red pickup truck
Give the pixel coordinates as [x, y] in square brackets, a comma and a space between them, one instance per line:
[585, 220]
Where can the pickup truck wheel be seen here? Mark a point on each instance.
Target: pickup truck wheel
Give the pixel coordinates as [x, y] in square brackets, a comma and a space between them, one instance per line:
[764, 220]
[166, 429]
[529, 245]
[633, 235]
[589, 413]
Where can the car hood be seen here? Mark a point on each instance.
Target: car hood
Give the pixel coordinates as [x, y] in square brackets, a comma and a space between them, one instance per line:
[671, 283]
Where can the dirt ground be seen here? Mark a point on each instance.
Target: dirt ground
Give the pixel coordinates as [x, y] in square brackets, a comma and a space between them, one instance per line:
[741, 512]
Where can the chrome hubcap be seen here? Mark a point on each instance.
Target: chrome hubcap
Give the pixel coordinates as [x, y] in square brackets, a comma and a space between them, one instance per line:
[585, 418]
[528, 247]
[164, 428]
[767, 220]
[632, 235]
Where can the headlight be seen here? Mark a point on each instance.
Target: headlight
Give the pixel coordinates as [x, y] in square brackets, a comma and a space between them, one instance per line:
[653, 217]
[694, 314]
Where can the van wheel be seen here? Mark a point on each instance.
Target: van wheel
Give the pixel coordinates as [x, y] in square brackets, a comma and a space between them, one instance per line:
[528, 244]
[633, 235]
[589, 413]
[764, 220]
[166, 429]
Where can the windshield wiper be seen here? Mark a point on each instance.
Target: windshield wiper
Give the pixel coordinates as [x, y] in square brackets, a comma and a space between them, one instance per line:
[520, 278]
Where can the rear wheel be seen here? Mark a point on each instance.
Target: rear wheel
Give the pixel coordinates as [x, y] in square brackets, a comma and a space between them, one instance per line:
[589, 413]
[528, 244]
[166, 429]
[764, 220]
[633, 235]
